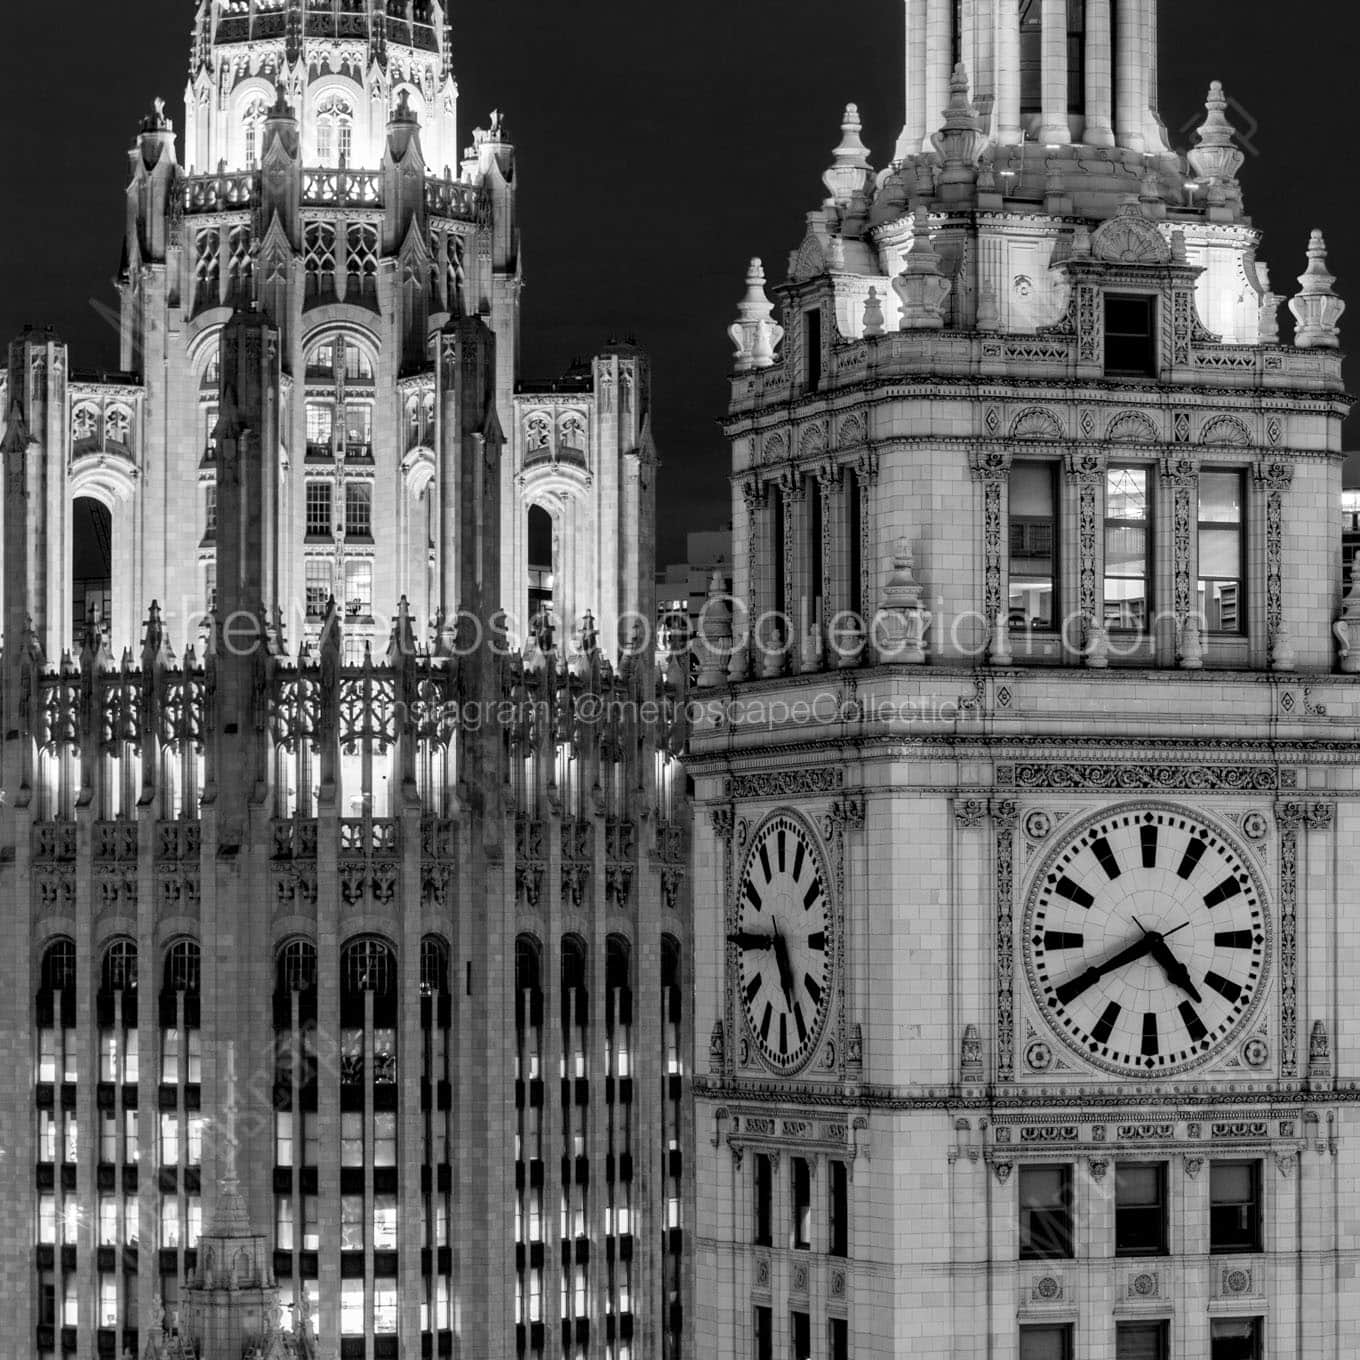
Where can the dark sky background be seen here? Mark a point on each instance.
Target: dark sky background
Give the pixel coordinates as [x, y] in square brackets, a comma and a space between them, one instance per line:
[661, 146]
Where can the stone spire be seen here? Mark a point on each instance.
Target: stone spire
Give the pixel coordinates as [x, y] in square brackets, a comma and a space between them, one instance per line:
[1316, 308]
[1216, 158]
[755, 334]
[850, 171]
[230, 1217]
[923, 288]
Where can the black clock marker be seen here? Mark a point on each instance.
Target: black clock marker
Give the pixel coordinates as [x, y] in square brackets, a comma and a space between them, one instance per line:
[1148, 836]
[1066, 888]
[812, 894]
[798, 1020]
[765, 861]
[813, 988]
[765, 1023]
[752, 988]
[1105, 855]
[1230, 887]
[798, 861]
[1150, 1041]
[1233, 939]
[1194, 1026]
[1194, 852]
[1228, 990]
[752, 896]
[817, 941]
[781, 849]
[1104, 1027]
[783, 1034]
[1061, 939]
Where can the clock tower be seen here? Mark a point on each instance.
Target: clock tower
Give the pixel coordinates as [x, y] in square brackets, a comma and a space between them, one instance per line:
[1025, 765]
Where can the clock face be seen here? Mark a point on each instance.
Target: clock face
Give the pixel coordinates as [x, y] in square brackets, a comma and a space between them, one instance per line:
[782, 942]
[1146, 941]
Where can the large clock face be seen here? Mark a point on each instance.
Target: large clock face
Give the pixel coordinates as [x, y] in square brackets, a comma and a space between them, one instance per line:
[782, 942]
[1146, 941]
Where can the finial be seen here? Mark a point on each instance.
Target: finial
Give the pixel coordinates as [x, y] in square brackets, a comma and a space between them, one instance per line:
[755, 334]
[922, 286]
[1316, 308]
[850, 170]
[873, 313]
[1216, 159]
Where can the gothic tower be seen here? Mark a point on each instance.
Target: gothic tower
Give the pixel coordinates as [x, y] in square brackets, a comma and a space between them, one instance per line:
[328, 769]
[1024, 799]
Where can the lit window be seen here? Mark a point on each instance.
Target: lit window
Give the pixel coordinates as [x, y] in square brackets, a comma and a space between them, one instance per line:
[210, 511]
[384, 1222]
[351, 1308]
[358, 431]
[358, 510]
[1221, 602]
[352, 1138]
[1045, 1213]
[108, 1301]
[193, 1140]
[283, 1223]
[283, 1138]
[357, 366]
[359, 588]
[351, 1223]
[70, 1140]
[70, 1222]
[384, 1138]
[131, 1223]
[319, 584]
[384, 1305]
[1139, 1210]
[169, 1138]
[108, 1221]
[253, 127]
[169, 1222]
[108, 1136]
[1127, 517]
[47, 1218]
[311, 1230]
[1033, 547]
[131, 1147]
[385, 1056]
[320, 424]
[193, 1222]
[47, 1136]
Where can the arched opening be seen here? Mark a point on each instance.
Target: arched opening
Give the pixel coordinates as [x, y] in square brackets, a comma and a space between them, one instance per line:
[540, 535]
[91, 564]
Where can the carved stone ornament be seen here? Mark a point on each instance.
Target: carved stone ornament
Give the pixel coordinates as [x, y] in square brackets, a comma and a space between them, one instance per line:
[1002, 1171]
[1193, 1166]
[1099, 1166]
[1130, 239]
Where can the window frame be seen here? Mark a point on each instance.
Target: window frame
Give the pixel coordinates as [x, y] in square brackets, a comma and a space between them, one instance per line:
[1052, 469]
[318, 497]
[1027, 1250]
[1256, 1202]
[1150, 365]
[1201, 526]
[1064, 1331]
[1160, 1207]
[1257, 1324]
[1126, 1326]
[1148, 526]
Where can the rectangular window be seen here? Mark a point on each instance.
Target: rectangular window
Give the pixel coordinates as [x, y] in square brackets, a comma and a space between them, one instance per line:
[358, 510]
[193, 1221]
[70, 1222]
[764, 1190]
[131, 1223]
[169, 1057]
[210, 584]
[1046, 1343]
[838, 1209]
[384, 1306]
[108, 1136]
[47, 1136]
[132, 1151]
[108, 1221]
[1045, 1213]
[1033, 547]
[1130, 335]
[384, 1138]
[320, 429]
[283, 1223]
[47, 1219]
[351, 1308]
[1221, 602]
[801, 1176]
[169, 1222]
[1140, 1341]
[384, 1223]
[70, 1141]
[70, 1302]
[351, 1223]
[1235, 1338]
[311, 1230]
[763, 1327]
[359, 588]
[131, 1064]
[352, 1138]
[358, 431]
[169, 1138]
[283, 1138]
[800, 1331]
[1127, 525]
[210, 512]
[1031, 57]
[1234, 1206]
[320, 586]
[838, 1339]
[108, 1301]
[47, 1056]
[210, 419]
[193, 1140]
[812, 349]
[1140, 1209]
[319, 510]
[108, 1055]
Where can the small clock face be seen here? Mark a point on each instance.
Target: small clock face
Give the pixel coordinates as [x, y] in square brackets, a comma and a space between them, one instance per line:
[782, 942]
[1146, 941]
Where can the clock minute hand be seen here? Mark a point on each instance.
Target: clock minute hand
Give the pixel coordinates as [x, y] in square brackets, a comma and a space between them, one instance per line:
[745, 939]
[781, 959]
[1074, 987]
[1177, 973]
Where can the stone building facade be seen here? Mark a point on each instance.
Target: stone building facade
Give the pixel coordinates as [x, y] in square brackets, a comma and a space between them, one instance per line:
[348, 1012]
[1026, 778]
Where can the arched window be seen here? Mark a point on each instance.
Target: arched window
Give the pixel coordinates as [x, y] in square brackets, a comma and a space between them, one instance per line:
[296, 1130]
[334, 130]
[179, 1138]
[119, 972]
[116, 1007]
[252, 127]
[434, 966]
[297, 966]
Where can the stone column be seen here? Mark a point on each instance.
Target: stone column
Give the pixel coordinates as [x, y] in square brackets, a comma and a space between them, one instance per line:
[1055, 130]
[939, 54]
[913, 136]
[1099, 75]
[1131, 74]
[1007, 118]
[992, 470]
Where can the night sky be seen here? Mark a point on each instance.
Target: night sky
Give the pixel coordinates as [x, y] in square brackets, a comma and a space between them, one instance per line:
[661, 146]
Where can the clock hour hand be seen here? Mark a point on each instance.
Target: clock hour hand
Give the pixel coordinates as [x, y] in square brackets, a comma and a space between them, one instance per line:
[781, 960]
[1074, 987]
[1176, 972]
[745, 939]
